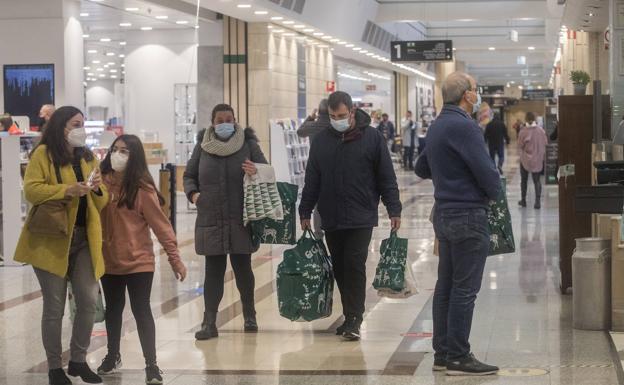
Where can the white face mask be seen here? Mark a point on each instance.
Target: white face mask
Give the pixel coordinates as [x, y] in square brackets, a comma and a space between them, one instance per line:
[77, 137]
[119, 161]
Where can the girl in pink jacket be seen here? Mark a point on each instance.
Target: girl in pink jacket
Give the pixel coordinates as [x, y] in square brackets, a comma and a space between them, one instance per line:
[532, 145]
[134, 209]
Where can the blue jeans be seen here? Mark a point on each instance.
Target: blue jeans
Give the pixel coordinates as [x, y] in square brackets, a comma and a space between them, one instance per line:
[500, 151]
[464, 241]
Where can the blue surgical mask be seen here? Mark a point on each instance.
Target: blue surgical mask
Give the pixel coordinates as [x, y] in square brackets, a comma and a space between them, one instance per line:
[225, 130]
[340, 125]
[477, 105]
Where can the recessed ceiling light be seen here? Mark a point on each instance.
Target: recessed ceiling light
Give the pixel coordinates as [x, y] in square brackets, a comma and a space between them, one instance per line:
[363, 51]
[357, 49]
[492, 49]
[299, 26]
[106, 65]
[288, 22]
[318, 34]
[279, 30]
[84, 14]
[335, 40]
[261, 13]
[90, 74]
[92, 51]
[86, 36]
[244, 5]
[105, 40]
[100, 69]
[370, 54]
[113, 71]
[123, 65]
[327, 37]
[122, 43]
[102, 75]
[308, 30]
[454, 49]
[146, 28]
[270, 27]
[111, 63]
[323, 46]
[342, 42]
[277, 18]
[531, 48]
[110, 53]
[162, 17]
[132, 9]
[86, 68]
[289, 34]
[181, 22]
[113, 76]
[349, 45]
[125, 24]
[96, 62]
[122, 55]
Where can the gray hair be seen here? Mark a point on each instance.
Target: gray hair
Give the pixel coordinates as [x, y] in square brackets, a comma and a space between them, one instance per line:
[454, 87]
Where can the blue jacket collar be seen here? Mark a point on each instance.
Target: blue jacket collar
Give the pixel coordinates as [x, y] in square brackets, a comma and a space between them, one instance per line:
[456, 109]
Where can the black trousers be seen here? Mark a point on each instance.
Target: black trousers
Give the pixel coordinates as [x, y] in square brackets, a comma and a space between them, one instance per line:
[215, 277]
[537, 182]
[349, 251]
[139, 289]
[408, 157]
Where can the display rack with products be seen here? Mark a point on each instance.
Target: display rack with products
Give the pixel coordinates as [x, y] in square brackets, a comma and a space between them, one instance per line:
[11, 198]
[185, 110]
[289, 152]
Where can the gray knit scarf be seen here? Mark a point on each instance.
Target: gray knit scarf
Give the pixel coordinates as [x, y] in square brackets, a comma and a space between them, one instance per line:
[215, 146]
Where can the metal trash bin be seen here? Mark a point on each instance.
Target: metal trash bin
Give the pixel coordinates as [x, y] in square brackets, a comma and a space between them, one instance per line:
[591, 280]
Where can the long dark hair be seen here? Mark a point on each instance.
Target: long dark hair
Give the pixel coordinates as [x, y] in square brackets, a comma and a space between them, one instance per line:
[54, 138]
[136, 174]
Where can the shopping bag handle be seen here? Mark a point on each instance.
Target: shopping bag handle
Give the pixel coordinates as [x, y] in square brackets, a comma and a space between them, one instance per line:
[309, 233]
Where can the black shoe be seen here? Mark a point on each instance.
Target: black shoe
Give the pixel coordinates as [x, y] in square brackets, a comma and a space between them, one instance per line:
[537, 205]
[251, 325]
[110, 364]
[522, 203]
[439, 365]
[351, 331]
[500, 171]
[469, 366]
[208, 327]
[153, 375]
[340, 329]
[82, 370]
[58, 377]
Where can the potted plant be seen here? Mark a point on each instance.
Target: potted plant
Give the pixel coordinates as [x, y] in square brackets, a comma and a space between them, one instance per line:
[580, 79]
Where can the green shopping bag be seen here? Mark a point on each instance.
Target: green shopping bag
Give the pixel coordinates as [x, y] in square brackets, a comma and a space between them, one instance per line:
[390, 272]
[305, 281]
[100, 311]
[279, 232]
[499, 222]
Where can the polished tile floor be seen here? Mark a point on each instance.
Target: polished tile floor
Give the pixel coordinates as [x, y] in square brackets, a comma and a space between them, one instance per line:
[522, 323]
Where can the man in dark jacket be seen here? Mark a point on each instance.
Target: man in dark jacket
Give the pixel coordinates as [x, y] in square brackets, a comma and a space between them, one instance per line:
[349, 169]
[386, 127]
[496, 137]
[465, 180]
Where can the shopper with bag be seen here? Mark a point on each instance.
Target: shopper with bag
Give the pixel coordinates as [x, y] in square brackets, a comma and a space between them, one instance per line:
[349, 169]
[213, 180]
[465, 180]
[134, 209]
[62, 237]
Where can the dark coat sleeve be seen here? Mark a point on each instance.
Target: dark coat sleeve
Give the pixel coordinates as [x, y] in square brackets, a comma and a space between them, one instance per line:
[505, 133]
[422, 168]
[312, 186]
[386, 180]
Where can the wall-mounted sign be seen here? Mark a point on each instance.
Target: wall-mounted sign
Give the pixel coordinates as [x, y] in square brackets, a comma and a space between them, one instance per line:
[491, 90]
[421, 51]
[330, 86]
[537, 94]
[371, 87]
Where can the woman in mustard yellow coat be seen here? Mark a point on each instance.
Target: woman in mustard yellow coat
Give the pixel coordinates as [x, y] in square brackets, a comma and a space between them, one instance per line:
[61, 168]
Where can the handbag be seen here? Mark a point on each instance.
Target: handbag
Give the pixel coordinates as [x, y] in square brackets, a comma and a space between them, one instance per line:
[50, 218]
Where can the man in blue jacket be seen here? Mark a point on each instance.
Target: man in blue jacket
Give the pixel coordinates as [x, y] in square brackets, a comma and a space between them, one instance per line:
[465, 180]
[349, 170]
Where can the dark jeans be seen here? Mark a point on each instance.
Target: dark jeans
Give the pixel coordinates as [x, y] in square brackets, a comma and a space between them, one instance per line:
[463, 246]
[349, 251]
[500, 151]
[537, 182]
[215, 277]
[139, 289]
[408, 157]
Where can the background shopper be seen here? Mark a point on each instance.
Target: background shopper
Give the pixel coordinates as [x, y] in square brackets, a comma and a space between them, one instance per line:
[213, 180]
[496, 137]
[45, 113]
[408, 128]
[348, 171]
[134, 209]
[465, 180]
[532, 143]
[386, 127]
[57, 171]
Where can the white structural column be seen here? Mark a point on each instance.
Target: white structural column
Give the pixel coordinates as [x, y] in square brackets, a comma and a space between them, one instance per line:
[73, 54]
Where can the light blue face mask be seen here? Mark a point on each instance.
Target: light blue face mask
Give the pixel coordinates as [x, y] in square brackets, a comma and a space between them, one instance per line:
[340, 125]
[225, 130]
[477, 105]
